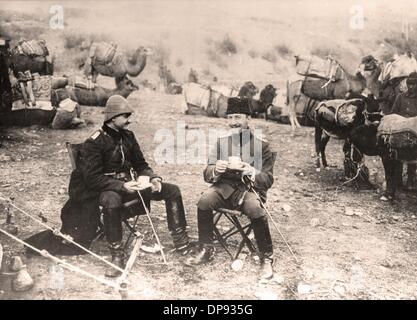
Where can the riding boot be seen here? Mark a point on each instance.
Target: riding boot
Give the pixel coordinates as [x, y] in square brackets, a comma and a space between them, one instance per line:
[112, 219]
[177, 224]
[205, 235]
[263, 239]
[113, 231]
[117, 258]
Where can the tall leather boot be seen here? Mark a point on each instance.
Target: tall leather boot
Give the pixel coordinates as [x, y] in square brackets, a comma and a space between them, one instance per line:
[263, 239]
[205, 235]
[117, 258]
[177, 224]
[113, 230]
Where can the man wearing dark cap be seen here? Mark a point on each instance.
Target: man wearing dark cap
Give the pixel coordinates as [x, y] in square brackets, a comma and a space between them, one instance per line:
[239, 149]
[404, 105]
[106, 159]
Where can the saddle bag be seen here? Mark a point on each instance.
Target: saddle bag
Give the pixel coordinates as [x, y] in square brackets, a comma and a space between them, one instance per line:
[32, 48]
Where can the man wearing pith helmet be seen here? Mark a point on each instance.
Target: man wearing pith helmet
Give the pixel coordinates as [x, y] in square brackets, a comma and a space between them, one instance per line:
[107, 158]
[239, 159]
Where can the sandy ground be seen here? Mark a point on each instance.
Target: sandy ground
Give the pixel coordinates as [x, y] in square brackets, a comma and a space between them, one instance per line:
[347, 243]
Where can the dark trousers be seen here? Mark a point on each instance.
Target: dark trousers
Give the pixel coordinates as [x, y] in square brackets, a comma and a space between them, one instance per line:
[112, 203]
[251, 207]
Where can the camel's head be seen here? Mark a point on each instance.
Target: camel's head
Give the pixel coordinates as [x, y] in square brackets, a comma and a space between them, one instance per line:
[126, 83]
[369, 67]
[248, 90]
[268, 94]
[145, 51]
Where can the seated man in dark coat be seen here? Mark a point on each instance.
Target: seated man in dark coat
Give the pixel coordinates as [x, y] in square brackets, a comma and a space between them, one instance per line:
[230, 187]
[104, 170]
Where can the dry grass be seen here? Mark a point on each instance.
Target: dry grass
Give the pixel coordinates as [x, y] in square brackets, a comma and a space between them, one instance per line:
[283, 50]
[253, 53]
[269, 56]
[226, 46]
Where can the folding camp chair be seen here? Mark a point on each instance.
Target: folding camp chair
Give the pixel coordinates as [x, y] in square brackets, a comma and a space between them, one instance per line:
[237, 228]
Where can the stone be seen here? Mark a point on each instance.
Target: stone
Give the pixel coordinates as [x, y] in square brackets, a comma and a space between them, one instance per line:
[315, 222]
[23, 281]
[237, 265]
[286, 207]
[303, 288]
[16, 264]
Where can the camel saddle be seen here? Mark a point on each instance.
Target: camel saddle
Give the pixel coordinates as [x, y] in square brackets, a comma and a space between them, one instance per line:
[32, 48]
[316, 67]
[342, 112]
[81, 82]
[102, 52]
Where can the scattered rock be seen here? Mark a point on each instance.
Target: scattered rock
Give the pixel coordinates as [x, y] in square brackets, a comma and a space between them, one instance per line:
[153, 249]
[303, 288]
[61, 191]
[266, 295]
[339, 290]
[25, 171]
[237, 265]
[278, 279]
[16, 264]
[4, 158]
[286, 207]
[396, 218]
[315, 222]
[23, 281]
[348, 212]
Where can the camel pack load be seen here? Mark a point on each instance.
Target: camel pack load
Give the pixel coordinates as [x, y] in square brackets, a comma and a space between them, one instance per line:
[34, 91]
[206, 100]
[102, 52]
[32, 48]
[399, 134]
[342, 112]
[316, 67]
[400, 67]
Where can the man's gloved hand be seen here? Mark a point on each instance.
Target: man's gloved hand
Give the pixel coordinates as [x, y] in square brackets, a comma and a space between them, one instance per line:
[221, 166]
[131, 186]
[156, 184]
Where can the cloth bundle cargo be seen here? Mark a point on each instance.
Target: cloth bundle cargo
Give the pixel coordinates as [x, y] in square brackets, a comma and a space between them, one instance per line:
[317, 89]
[402, 66]
[103, 52]
[320, 68]
[32, 48]
[42, 90]
[81, 82]
[399, 134]
[197, 95]
[343, 112]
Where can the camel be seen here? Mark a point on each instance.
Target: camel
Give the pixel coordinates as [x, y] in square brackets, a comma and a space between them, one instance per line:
[96, 96]
[321, 89]
[386, 81]
[106, 59]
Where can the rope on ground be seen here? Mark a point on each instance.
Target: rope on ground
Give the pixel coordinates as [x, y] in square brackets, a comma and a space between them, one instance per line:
[60, 234]
[63, 263]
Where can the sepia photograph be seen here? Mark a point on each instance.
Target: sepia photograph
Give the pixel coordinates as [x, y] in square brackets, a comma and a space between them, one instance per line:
[202, 150]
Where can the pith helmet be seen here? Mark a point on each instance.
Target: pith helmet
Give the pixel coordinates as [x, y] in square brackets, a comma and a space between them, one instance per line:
[115, 106]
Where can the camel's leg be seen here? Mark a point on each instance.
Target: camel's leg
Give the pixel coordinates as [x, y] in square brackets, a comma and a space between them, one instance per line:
[324, 140]
[317, 142]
